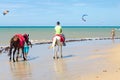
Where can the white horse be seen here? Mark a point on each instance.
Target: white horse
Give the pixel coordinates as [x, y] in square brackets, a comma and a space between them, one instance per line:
[57, 47]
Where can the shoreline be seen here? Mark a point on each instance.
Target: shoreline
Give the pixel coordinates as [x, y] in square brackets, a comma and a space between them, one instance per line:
[6, 48]
[73, 40]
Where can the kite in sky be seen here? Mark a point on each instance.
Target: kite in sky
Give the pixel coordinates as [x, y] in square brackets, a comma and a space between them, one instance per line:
[5, 12]
[83, 17]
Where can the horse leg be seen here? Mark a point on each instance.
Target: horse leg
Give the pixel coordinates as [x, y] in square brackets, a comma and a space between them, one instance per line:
[23, 54]
[10, 53]
[14, 55]
[56, 52]
[17, 55]
[61, 51]
[54, 48]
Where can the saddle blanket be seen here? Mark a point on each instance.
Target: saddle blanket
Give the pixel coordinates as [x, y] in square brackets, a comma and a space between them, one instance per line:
[62, 39]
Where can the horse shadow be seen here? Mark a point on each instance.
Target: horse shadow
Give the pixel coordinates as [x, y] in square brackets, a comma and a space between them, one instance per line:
[68, 56]
[32, 58]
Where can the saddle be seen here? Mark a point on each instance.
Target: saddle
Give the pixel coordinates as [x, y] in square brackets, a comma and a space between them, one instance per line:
[21, 38]
[62, 39]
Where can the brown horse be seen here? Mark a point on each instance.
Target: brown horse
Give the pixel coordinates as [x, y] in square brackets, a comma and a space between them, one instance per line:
[17, 42]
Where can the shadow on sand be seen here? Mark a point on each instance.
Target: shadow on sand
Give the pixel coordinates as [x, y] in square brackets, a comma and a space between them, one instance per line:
[32, 58]
[68, 56]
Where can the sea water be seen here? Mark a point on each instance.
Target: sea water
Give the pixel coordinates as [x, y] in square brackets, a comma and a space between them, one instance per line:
[45, 33]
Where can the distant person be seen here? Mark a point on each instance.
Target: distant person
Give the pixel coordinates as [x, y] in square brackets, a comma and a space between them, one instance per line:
[113, 34]
[58, 31]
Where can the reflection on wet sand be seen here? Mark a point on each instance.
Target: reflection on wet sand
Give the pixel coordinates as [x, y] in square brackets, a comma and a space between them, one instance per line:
[64, 70]
[21, 70]
[60, 68]
[113, 41]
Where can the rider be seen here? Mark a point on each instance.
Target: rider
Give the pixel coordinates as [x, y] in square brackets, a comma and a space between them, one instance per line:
[58, 32]
[58, 28]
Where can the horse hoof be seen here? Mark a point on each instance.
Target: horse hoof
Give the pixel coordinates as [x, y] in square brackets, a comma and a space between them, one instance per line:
[54, 57]
[16, 60]
[25, 59]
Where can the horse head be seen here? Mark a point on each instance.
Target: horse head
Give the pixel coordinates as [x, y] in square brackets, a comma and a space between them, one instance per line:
[26, 37]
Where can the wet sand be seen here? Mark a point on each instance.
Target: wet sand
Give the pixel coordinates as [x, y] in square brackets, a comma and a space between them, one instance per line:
[87, 60]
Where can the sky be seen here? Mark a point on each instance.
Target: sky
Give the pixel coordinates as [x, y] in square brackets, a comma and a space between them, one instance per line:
[68, 12]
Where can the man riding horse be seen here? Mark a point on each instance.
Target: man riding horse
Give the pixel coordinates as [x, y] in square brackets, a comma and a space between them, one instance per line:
[58, 32]
[58, 40]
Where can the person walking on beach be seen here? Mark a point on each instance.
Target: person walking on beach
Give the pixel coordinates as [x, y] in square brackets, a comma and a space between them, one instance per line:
[113, 34]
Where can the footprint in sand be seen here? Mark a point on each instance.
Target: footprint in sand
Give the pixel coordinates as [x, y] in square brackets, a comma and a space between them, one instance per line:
[104, 70]
[119, 68]
[97, 76]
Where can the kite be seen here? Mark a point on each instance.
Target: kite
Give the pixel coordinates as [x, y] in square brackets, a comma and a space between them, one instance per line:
[5, 12]
[83, 17]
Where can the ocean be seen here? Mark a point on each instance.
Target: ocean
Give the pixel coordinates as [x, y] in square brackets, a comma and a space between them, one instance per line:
[45, 33]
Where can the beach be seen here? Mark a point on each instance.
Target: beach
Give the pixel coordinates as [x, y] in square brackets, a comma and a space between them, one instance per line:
[88, 31]
[82, 60]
